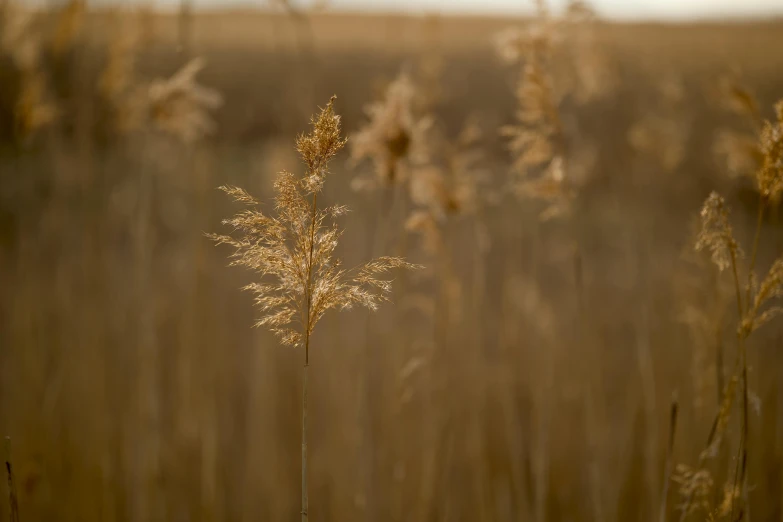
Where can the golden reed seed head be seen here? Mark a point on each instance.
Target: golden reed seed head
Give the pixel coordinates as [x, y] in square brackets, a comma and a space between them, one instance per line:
[771, 288]
[770, 176]
[293, 252]
[320, 146]
[716, 234]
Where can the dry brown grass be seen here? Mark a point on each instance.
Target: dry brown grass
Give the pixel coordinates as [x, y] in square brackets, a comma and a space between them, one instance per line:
[516, 377]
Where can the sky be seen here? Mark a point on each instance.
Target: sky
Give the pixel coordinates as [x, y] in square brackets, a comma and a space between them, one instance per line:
[620, 9]
[610, 9]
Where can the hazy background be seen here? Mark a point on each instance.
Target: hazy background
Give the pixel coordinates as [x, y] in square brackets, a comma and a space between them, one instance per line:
[526, 374]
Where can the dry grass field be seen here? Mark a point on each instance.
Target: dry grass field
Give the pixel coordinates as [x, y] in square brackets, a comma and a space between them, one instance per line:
[564, 354]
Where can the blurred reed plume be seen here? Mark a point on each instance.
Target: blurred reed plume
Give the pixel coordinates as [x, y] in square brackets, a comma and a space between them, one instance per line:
[559, 62]
[395, 136]
[451, 183]
[22, 44]
[296, 251]
[739, 148]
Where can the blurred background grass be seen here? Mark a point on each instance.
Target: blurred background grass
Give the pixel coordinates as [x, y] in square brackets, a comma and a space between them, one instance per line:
[134, 388]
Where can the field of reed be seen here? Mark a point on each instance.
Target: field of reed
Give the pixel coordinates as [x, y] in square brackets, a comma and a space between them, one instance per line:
[569, 250]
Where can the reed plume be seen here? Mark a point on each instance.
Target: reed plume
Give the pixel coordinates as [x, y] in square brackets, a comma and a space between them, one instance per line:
[394, 137]
[293, 255]
[755, 305]
[33, 108]
[739, 148]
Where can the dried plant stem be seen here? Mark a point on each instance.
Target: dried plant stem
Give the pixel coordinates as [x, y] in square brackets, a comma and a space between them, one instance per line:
[739, 363]
[13, 499]
[742, 450]
[305, 500]
[719, 376]
[293, 253]
[742, 456]
[754, 252]
[668, 467]
[307, 329]
[735, 273]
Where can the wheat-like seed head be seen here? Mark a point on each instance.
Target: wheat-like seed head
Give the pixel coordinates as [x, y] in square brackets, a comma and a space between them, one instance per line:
[293, 252]
[394, 134]
[769, 177]
[179, 106]
[536, 139]
[716, 234]
[769, 289]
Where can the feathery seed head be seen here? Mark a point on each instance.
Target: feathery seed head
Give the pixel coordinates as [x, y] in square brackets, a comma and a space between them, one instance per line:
[293, 252]
[716, 234]
[394, 134]
[770, 175]
[322, 143]
[770, 288]
[179, 106]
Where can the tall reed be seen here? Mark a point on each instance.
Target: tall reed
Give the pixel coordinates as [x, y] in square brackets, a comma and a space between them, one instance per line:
[293, 254]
